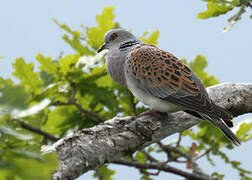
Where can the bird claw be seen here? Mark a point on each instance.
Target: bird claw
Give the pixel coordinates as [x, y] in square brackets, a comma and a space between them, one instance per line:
[154, 113]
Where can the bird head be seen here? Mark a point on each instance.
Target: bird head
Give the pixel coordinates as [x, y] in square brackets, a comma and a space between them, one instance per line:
[116, 37]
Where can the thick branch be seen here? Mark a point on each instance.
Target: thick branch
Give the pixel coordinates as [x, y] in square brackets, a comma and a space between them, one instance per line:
[107, 142]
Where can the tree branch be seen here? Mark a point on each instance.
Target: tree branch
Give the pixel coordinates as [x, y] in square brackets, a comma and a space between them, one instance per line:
[165, 168]
[86, 149]
[72, 101]
[37, 131]
[179, 139]
[133, 104]
[168, 149]
[162, 165]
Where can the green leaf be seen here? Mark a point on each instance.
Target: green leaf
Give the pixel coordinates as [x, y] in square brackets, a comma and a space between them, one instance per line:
[236, 165]
[105, 81]
[34, 109]
[68, 63]
[34, 168]
[210, 160]
[97, 92]
[105, 172]
[62, 119]
[140, 157]
[215, 9]
[215, 174]
[105, 22]
[243, 130]
[29, 154]
[209, 134]
[76, 41]
[9, 131]
[1, 57]
[12, 95]
[145, 177]
[29, 79]
[244, 1]
[47, 78]
[47, 65]
[152, 38]
[198, 66]
[62, 26]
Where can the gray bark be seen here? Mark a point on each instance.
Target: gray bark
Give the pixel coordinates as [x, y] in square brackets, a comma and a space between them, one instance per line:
[86, 149]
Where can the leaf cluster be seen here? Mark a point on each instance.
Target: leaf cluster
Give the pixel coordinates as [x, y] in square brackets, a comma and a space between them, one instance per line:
[216, 8]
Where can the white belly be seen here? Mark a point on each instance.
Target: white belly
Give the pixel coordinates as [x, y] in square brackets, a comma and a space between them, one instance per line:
[152, 101]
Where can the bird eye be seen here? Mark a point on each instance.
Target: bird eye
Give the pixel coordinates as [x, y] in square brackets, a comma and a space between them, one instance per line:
[113, 36]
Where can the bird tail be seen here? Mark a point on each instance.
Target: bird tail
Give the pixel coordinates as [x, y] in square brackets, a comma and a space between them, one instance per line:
[223, 120]
[225, 115]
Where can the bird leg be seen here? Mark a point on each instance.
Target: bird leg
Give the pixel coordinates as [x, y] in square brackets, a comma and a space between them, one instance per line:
[154, 113]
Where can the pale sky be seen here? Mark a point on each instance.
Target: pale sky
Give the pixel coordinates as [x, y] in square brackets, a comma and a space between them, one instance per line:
[27, 29]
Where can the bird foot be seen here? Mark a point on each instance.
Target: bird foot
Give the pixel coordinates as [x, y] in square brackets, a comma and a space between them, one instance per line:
[154, 113]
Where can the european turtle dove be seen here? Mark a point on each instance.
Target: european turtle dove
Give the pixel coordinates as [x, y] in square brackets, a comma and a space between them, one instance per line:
[160, 80]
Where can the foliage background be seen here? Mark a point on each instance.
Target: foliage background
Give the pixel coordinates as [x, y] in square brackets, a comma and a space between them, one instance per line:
[183, 35]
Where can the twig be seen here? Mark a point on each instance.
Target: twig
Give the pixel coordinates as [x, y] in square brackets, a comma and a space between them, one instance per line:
[152, 159]
[168, 149]
[196, 158]
[163, 167]
[133, 104]
[90, 113]
[60, 103]
[149, 157]
[37, 131]
[150, 173]
[179, 139]
[203, 154]
[74, 91]
[72, 101]
[60, 54]
[99, 174]
[249, 4]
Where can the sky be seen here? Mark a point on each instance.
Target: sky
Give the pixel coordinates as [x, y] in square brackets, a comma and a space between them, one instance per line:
[27, 29]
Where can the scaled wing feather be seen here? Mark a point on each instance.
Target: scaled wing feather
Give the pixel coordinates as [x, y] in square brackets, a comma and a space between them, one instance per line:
[164, 76]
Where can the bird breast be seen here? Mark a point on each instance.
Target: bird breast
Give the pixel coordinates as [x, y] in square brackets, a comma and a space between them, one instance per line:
[115, 66]
[148, 99]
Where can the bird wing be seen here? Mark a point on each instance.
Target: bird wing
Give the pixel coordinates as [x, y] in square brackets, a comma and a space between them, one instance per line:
[164, 76]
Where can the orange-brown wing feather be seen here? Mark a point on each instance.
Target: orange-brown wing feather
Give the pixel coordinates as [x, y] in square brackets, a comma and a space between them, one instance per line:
[166, 77]
[155, 67]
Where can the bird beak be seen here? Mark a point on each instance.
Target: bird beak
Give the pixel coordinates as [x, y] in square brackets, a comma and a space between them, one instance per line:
[101, 48]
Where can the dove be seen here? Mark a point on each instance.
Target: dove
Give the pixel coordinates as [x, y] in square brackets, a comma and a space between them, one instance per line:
[160, 80]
